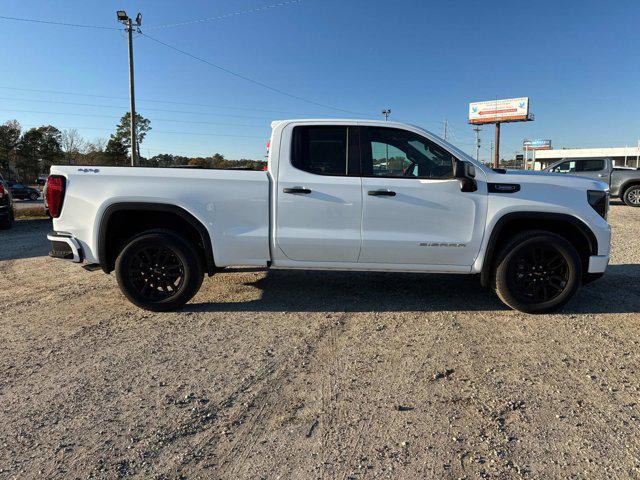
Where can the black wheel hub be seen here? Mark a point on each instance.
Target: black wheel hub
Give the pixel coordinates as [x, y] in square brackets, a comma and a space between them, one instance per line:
[538, 274]
[156, 273]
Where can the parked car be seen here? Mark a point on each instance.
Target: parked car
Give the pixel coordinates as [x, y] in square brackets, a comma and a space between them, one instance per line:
[6, 205]
[21, 191]
[623, 182]
[324, 204]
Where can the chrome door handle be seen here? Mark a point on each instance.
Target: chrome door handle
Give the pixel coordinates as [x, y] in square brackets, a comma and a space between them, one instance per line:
[381, 193]
[296, 190]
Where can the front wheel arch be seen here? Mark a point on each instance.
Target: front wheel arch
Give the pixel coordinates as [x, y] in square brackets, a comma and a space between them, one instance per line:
[571, 228]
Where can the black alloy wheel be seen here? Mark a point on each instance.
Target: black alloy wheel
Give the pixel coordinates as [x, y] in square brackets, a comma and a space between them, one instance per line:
[537, 272]
[155, 272]
[159, 270]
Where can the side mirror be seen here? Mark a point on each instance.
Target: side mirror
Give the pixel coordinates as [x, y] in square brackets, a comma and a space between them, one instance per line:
[465, 172]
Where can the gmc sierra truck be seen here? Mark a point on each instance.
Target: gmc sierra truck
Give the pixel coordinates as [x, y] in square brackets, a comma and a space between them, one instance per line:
[337, 195]
[623, 182]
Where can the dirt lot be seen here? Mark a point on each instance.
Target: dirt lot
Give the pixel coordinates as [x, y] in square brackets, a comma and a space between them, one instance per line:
[315, 375]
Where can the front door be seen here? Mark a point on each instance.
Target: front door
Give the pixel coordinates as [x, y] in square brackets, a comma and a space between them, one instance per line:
[319, 194]
[413, 210]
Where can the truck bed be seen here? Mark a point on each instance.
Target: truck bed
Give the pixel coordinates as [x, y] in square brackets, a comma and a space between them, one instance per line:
[233, 205]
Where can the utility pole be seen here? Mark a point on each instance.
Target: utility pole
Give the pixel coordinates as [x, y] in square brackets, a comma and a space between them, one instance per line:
[491, 155]
[496, 152]
[129, 26]
[446, 129]
[477, 130]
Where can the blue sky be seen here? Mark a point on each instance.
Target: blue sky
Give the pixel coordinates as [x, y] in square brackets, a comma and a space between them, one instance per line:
[576, 60]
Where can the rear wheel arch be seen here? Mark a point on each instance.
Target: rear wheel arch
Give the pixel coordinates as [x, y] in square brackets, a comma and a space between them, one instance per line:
[122, 221]
[567, 226]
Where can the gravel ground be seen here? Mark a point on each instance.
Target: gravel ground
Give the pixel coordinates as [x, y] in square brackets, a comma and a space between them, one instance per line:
[315, 375]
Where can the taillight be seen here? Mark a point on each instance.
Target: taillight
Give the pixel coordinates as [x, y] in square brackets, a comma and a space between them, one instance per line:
[1, 190]
[55, 194]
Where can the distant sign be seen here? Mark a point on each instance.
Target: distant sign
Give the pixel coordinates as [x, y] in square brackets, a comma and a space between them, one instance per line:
[505, 110]
[537, 144]
[519, 157]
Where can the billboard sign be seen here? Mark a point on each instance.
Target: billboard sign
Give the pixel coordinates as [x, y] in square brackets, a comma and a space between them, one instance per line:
[537, 144]
[505, 110]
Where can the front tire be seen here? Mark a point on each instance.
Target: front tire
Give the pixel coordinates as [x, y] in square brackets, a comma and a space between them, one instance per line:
[34, 196]
[159, 270]
[537, 272]
[631, 196]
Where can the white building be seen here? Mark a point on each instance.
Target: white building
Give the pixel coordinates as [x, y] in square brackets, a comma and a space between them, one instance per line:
[622, 156]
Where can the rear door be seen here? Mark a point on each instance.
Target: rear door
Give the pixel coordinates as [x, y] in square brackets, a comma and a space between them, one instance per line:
[413, 209]
[319, 194]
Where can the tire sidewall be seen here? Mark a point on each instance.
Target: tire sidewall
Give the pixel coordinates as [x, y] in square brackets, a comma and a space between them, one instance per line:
[564, 248]
[193, 273]
[625, 197]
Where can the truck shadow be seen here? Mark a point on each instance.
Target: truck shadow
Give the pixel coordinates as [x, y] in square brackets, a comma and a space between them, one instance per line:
[309, 291]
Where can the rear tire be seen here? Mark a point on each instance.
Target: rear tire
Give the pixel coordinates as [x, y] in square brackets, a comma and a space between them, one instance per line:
[7, 223]
[631, 196]
[34, 196]
[537, 272]
[159, 270]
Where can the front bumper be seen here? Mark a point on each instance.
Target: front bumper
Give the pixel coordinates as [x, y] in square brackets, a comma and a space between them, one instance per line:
[598, 263]
[65, 246]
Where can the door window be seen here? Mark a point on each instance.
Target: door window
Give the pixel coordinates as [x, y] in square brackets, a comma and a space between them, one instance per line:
[391, 152]
[326, 150]
[565, 167]
[591, 165]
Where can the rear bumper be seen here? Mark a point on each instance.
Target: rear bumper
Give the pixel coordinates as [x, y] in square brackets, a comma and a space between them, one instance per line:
[598, 263]
[66, 247]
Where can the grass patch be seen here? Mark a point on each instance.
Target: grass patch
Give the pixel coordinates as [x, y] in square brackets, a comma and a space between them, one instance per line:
[31, 213]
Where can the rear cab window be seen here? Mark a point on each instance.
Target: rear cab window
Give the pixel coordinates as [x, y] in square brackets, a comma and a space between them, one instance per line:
[326, 150]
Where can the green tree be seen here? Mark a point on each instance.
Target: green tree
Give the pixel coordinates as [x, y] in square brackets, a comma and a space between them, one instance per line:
[9, 137]
[115, 153]
[37, 150]
[123, 130]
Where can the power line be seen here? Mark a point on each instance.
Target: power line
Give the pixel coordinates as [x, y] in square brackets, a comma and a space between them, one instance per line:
[227, 15]
[106, 129]
[170, 102]
[48, 22]
[251, 80]
[113, 107]
[117, 118]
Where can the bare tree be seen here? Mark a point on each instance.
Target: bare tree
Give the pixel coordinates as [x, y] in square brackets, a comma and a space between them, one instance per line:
[72, 145]
[96, 145]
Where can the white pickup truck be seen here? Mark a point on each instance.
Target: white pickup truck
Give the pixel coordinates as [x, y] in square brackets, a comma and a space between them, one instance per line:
[337, 195]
